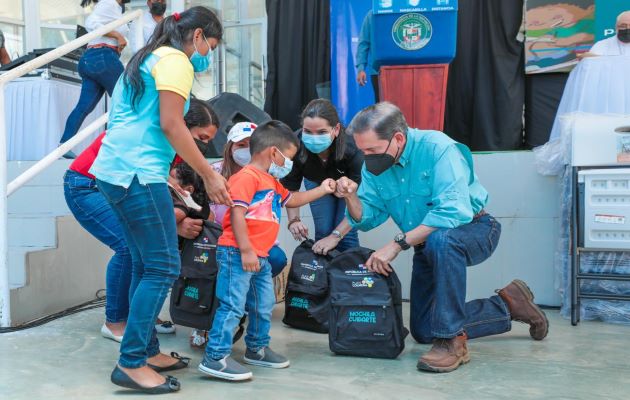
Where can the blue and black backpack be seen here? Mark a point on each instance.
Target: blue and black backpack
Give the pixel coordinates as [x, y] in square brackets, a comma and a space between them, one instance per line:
[306, 299]
[365, 317]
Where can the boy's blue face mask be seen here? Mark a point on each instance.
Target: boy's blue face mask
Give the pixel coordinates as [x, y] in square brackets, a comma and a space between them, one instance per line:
[280, 171]
[201, 63]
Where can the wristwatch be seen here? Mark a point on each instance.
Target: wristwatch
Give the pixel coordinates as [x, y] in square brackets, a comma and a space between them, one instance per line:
[337, 234]
[401, 240]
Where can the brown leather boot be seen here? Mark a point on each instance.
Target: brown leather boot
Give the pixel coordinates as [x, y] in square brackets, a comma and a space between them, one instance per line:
[446, 355]
[520, 300]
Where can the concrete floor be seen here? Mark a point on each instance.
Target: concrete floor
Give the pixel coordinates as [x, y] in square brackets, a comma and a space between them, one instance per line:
[68, 359]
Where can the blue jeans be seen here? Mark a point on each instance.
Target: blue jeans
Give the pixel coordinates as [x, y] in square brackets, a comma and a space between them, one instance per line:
[148, 222]
[236, 290]
[328, 212]
[277, 259]
[96, 216]
[438, 284]
[99, 69]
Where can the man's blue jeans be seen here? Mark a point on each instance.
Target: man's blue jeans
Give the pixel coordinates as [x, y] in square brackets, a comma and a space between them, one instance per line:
[236, 291]
[328, 212]
[148, 221]
[438, 284]
[99, 69]
[96, 216]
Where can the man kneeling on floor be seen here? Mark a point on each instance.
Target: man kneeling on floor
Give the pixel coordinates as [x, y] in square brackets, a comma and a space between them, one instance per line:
[425, 182]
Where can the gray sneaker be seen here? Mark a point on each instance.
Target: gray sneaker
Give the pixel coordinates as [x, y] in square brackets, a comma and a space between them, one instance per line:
[225, 368]
[265, 357]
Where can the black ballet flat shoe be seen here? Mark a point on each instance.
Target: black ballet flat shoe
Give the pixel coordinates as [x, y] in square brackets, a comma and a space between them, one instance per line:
[120, 378]
[182, 362]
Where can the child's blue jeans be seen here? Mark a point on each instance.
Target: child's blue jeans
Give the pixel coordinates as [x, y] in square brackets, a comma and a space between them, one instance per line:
[236, 291]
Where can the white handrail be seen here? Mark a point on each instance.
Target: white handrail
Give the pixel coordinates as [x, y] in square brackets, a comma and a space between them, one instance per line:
[5, 190]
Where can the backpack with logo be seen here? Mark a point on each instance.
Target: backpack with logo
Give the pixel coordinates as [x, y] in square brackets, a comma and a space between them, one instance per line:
[306, 299]
[193, 300]
[365, 308]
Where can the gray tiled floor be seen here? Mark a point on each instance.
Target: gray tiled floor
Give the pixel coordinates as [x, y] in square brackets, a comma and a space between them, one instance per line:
[67, 359]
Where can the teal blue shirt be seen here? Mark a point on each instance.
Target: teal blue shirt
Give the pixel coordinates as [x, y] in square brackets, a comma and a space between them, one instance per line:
[433, 184]
[135, 144]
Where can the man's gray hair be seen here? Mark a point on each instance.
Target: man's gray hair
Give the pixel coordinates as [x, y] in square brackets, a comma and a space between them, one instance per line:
[384, 119]
[623, 14]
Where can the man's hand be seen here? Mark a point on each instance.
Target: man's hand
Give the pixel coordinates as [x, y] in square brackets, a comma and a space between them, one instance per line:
[362, 78]
[328, 186]
[346, 187]
[298, 230]
[217, 189]
[189, 228]
[326, 244]
[380, 259]
[250, 261]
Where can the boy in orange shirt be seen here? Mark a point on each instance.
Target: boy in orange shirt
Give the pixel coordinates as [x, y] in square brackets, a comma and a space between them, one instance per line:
[250, 230]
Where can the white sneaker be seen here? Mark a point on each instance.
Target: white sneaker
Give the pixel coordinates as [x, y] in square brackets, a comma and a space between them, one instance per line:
[108, 334]
[164, 327]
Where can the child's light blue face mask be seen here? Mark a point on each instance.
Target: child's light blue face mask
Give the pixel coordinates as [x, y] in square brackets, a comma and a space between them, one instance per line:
[280, 171]
[201, 63]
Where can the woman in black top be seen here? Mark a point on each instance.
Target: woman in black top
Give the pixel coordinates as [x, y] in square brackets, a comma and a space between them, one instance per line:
[325, 152]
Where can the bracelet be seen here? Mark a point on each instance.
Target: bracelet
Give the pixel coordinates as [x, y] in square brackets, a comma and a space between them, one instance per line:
[337, 234]
[296, 219]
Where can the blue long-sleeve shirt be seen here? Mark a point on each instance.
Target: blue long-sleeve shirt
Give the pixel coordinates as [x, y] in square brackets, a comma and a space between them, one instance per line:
[365, 44]
[433, 184]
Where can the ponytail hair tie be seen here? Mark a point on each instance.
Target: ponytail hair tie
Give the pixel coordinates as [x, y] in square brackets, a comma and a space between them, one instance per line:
[177, 16]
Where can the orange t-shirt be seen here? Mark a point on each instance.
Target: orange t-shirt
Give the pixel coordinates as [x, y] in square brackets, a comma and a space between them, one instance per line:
[263, 197]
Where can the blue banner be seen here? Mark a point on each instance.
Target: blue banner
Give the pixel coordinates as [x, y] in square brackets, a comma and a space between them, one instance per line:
[606, 12]
[346, 17]
[406, 6]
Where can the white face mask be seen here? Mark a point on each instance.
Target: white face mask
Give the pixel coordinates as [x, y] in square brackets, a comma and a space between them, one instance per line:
[242, 156]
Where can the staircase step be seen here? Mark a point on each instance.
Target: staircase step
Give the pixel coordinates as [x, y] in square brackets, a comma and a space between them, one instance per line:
[32, 230]
[17, 260]
[38, 200]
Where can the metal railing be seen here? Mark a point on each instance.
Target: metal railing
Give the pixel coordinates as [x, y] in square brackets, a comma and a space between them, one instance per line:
[6, 190]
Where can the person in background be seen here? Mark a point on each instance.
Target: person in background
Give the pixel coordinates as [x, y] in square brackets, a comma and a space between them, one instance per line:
[150, 19]
[146, 129]
[364, 53]
[426, 183]
[4, 54]
[618, 45]
[236, 155]
[96, 216]
[325, 152]
[100, 66]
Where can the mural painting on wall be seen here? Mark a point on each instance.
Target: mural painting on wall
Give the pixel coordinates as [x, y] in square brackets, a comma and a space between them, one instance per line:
[556, 31]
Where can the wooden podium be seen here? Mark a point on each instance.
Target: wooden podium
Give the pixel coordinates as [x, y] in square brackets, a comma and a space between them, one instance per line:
[419, 91]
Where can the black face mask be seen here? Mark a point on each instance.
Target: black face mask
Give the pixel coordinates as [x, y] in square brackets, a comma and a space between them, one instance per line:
[624, 35]
[158, 9]
[203, 147]
[376, 164]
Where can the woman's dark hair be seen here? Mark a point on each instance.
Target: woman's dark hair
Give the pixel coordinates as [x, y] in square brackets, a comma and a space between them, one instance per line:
[188, 177]
[200, 114]
[229, 166]
[172, 33]
[322, 108]
[85, 3]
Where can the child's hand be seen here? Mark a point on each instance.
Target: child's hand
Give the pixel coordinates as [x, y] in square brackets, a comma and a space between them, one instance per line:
[328, 186]
[250, 261]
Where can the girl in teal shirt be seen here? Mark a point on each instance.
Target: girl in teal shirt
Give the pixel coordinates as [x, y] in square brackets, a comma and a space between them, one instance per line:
[146, 129]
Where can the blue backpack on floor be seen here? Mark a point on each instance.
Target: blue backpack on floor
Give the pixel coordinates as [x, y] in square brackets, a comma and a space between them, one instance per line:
[365, 317]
